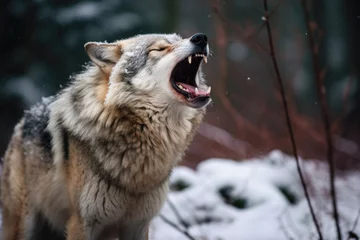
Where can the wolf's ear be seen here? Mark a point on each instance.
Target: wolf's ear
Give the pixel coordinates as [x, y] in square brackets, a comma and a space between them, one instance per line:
[105, 55]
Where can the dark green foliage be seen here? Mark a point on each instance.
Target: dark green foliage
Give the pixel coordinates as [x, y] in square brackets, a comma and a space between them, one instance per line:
[288, 194]
[225, 192]
[235, 201]
[240, 203]
[179, 185]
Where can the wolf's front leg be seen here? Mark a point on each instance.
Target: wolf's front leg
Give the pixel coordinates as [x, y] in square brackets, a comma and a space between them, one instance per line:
[75, 228]
[37, 227]
[138, 231]
[10, 224]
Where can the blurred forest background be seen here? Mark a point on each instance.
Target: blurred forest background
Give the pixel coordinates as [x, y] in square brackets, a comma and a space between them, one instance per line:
[42, 44]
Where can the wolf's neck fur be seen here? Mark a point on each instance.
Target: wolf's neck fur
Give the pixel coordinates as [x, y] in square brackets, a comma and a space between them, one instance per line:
[137, 143]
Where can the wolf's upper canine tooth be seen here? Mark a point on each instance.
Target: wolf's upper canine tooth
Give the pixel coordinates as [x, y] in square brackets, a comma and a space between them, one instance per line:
[189, 59]
[196, 91]
[205, 59]
[208, 90]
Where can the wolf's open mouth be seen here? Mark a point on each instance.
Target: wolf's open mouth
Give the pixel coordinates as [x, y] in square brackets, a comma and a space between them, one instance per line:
[183, 78]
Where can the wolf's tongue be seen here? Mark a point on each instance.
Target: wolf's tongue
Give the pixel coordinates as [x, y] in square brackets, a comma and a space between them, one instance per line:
[191, 89]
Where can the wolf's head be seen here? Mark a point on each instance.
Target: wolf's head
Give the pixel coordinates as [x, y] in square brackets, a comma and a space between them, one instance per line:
[158, 67]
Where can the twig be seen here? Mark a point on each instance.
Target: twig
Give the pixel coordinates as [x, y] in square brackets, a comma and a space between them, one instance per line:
[177, 214]
[247, 39]
[352, 231]
[293, 226]
[221, 41]
[356, 221]
[185, 232]
[225, 139]
[345, 106]
[283, 227]
[325, 115]
[288, 120]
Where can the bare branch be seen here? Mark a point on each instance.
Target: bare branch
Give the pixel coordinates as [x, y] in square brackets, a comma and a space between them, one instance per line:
[352, 234]
[225, 139]
[288, 120]
[176, 212]
[324, 112]
[283, 227]
[216, 9]
[356, 221]
[185, 232]
[220, 89]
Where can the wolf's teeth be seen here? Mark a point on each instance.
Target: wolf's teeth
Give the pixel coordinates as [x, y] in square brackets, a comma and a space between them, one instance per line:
[208, 90]
[189, 59]
[205, 59]
[196, 91]
[181, 87]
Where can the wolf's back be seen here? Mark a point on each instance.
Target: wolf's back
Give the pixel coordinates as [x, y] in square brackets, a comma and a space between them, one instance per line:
[28, 156]
[35, 128]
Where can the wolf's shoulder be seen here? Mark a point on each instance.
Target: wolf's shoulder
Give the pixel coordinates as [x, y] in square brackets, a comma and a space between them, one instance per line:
[35, 123]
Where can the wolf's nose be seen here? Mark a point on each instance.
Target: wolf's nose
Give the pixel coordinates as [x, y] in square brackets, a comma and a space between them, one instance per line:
[199, 39]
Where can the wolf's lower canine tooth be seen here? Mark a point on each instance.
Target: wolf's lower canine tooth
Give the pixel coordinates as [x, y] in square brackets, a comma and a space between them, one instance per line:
[205, 59]
[179, 86]
[208, 90]
[189, 59]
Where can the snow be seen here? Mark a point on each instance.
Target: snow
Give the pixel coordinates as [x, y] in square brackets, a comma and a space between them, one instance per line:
[80, 11]
[25, 88]
[84, 11]
[124, 21]
[238, 51]
[254, 200]
[88, 10]
[223, 138]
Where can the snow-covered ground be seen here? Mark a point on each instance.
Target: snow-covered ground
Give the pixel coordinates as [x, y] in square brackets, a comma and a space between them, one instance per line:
[255, 200]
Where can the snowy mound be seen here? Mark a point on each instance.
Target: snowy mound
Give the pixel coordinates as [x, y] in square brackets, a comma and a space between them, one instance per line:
[255, 200]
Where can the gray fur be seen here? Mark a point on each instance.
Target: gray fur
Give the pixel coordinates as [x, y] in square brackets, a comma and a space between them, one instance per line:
[116, 133]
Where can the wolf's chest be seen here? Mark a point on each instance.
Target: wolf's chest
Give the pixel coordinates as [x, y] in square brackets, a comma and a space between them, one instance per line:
[107, 206]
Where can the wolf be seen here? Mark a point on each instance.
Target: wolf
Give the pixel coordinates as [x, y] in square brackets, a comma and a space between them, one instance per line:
[93, 161]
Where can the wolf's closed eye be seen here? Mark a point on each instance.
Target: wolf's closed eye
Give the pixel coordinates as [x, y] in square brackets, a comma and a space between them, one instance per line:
[158, 49]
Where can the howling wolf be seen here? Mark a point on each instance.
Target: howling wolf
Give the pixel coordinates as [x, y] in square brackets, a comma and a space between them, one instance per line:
[93, 162]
